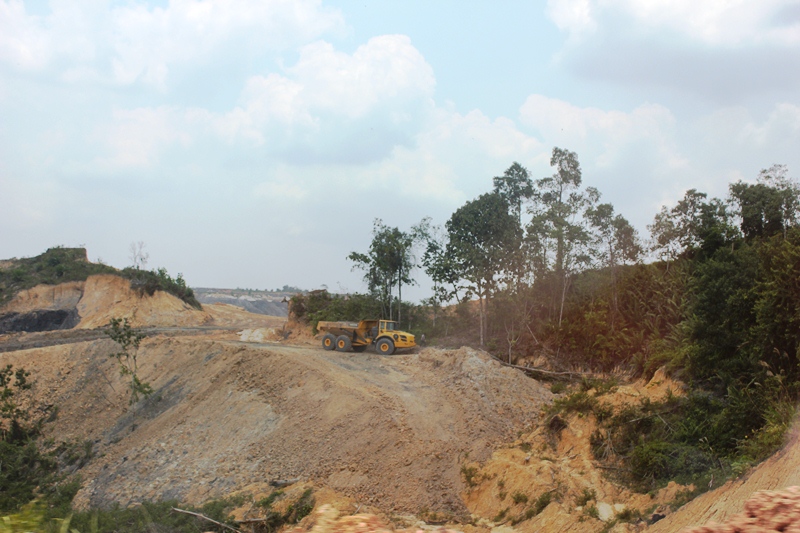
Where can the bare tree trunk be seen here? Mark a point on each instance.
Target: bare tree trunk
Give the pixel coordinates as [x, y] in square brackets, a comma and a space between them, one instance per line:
[563, 298]
[400, 297]
[481, 312]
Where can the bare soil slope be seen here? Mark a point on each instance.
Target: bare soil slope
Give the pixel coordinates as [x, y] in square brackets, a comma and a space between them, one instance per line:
[389, 430]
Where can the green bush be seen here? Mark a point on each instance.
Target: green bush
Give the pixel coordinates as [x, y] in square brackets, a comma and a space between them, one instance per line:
[519, 497]
[54, 266]
[577, 402]
[149, 281]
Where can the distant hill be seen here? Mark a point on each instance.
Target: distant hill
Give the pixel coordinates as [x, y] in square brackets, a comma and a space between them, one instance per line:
[273, 303]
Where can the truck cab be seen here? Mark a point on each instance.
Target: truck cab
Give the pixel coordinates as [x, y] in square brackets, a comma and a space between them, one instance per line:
[388, 337]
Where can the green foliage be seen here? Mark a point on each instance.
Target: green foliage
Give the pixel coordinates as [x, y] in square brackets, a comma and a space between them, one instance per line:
[29, 517]
[519, 497]
[149, 281]
[56, 265]
[11, 382]
[60, 265]
[542, 501]
[294, 512]
[483, 245]
[25, 470]
[128, 339]
[470, 474]
[151, 516]
[266, 503]
[317, 306]
[585, 497]
[388, 262]
[577, 402]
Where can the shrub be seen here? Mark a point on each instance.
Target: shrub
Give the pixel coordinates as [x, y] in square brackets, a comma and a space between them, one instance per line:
[585, 497]
[149, 281]
[470, 474]
[579, 402]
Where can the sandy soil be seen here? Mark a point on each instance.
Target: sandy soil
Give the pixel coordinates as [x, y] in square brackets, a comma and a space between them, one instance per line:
[389, 430]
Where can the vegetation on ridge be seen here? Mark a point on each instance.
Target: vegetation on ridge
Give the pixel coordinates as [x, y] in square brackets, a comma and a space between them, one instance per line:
[60, 265]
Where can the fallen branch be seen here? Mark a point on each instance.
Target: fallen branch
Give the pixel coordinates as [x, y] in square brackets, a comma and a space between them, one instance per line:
[536, 370]
[204, 517]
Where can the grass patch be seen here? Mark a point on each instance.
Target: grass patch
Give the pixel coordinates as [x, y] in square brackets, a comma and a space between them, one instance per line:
[519, 497]
[577, 402]
[470, 474]
[585, 497]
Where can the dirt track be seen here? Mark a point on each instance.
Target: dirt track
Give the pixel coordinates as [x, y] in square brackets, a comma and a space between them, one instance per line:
[389, 430]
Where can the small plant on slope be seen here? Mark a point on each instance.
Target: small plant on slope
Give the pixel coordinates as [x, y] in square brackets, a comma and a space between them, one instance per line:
[128, 339]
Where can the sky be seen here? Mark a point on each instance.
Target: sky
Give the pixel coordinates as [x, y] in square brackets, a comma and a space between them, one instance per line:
[252, 143]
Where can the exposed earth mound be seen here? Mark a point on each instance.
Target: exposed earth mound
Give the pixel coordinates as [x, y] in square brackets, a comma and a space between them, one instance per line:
[225, 414]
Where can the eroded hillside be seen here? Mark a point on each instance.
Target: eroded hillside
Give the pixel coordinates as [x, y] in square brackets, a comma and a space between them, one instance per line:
[225, 414]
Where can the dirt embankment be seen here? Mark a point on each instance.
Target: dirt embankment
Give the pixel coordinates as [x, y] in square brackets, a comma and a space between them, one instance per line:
[391, 431]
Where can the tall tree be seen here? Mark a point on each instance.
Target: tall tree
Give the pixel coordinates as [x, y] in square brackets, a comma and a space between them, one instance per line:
[693, 226]
[557, 227]
[514, 185]
[615, 243]
[389, 261]
[768, 207]
[484, 243]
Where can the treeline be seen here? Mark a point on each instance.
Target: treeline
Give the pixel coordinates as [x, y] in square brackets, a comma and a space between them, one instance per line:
[545, 269]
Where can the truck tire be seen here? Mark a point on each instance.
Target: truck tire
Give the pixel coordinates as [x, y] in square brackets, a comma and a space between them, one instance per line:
[384, 346]
[329, 341]
[343, 343]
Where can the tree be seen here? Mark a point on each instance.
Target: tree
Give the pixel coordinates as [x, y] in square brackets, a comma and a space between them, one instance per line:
[694, 225]
[615, 243]
[768, 207]
[138, 256]
[557, 227]
[514, 185]
[483, 244]
[388, 262]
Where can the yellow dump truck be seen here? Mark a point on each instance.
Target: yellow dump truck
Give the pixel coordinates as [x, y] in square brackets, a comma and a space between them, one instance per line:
[357, 336]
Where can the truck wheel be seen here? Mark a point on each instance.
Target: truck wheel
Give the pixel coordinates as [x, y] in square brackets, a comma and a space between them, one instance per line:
[343, 343]
[385, 346]
[329, 341]
[359, 349]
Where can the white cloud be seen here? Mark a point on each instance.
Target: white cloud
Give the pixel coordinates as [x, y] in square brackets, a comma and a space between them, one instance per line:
[781, 126]
[23, 41]
[136, 137]
[713, 22]
[137, 42]
[608, 134]
[337, 106]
